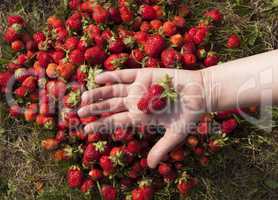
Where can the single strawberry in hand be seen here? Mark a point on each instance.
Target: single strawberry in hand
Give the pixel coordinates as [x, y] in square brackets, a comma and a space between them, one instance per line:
[158, 96]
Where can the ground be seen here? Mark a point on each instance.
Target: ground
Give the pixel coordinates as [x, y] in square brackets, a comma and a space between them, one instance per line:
[245, 169]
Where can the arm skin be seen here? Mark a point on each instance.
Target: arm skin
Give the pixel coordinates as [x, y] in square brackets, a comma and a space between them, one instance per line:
[238, 83]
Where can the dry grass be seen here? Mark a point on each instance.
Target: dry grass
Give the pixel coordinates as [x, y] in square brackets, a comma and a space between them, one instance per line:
[246, 169]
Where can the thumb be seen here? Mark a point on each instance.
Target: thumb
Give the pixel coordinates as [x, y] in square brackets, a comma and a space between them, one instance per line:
[168, 142]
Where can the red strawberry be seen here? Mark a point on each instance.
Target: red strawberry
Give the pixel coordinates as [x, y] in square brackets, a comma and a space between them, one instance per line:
[12, 33]
[44, 58]
[126, 14]
[54, 22]
[116, 45]
[87, 185]
[233, 41]
[211, 59]
[156, 24]
[108, 192]
[74, 4]
[147, 12]
[133, 147]
[94, 151]
[4, 79]
[141, 37]
[17, 45]
[229, 125]
[203, 128]
[169, 28]
[170, 58]
[215, 145]
[60, 136]
[144, 192]
[15, 111]
[49, 144]
[15, 19]
[76, 57]
[21, 91]
[204, 161]
[214, 14]
[115, 61]
[71, 43]
[164, 169]
[57, 56]
[31, 112]
[74, 177]
[189, 47]
[201, 36]
[64, 154]
[107, 165]
[60, 34]
[177, 154]
[56, 88]
[154, 45]
[199, 151]
[95, 55]
[114, 15]
[145, 27]
[74, 22]
[135, 58]
[94, 137]
[39, 37]
[179, 22]
[96, 174]
[120, 134]
[30, 83]
[186, 183]
[151, 63]
[100, 15]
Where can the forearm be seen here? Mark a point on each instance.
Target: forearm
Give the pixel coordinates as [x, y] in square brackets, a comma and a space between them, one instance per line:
[241, 83]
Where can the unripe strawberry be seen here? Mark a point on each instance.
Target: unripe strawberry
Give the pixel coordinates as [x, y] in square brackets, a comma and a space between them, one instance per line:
[233, 41]
[49, 144]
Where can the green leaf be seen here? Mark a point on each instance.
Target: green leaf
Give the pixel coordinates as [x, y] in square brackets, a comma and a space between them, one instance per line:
[253, 35]
[3, 61]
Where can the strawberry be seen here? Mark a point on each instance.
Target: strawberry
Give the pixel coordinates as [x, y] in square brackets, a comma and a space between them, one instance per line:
[15, 111]
[114, 15]
[204, 161]
[21, 74]
[54, 22]
[143, 192]
[56, 88]
[51, 70]
[233, 41]
[229, 125]
[176, 40]
[135, 58]
[106, 164]
[203, 128]
[156, 24]
[154, 45]
[87, 185]
[215, 145]
[169, 28]
[94, 137]
[183, 10]
[31, 112]
[145, 27]
[214, 14]
[170, 58]
[159, 11]
[57, 56]
[133, 147]
[211, 59]
[126, 14]
[60, 136]
[192, 141]
[108, 192]
[116, 45]
[30, 83]
[12, 33]
[164, 169]
[22, 59]
[60, 34]
[74, 4]
[17, 45]
[189, 59]
[30, 45]
[76, 57]
[95, 174]
[185, 183]
[201, 36]
[177, 154]
[199, 151]
[15, 19]
[115, 61]
[201, 53]
[74, 22]
[64, 154]
[120, 134]
[43, 58]
[95, 55]
[71, 43]
[74, 177]
[94, 151]
[21, 91]
[100, 15]
[72, 99]
[49, 144]
[39, 37]
[65, 70]
[147, 12]
[179, 22]
[4, 79]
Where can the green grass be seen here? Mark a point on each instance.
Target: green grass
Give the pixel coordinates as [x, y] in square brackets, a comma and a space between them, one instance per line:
[245, 169]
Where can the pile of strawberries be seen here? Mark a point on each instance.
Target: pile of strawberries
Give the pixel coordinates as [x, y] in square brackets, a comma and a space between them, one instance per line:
[52, 68]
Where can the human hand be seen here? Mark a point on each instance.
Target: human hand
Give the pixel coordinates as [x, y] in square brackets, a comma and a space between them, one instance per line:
[128, 86]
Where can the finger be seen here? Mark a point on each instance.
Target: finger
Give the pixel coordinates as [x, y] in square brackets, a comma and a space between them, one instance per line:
[115, 120]
[105, 92]
[119, 76]
[168, 142]
[113, 105]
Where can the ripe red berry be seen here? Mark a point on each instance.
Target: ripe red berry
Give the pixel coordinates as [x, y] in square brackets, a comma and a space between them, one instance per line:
[74, 177]
[108, 192]
[147, 12]
[154, 45]
[233, 41]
